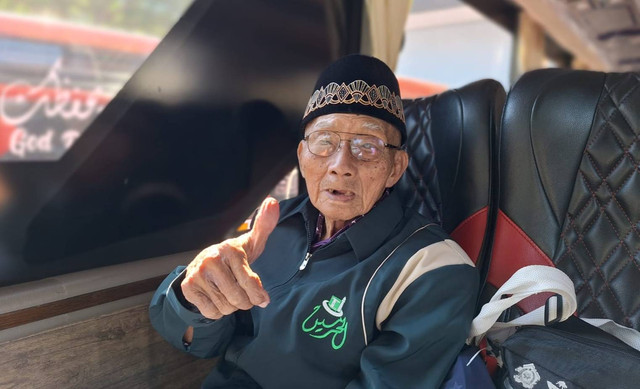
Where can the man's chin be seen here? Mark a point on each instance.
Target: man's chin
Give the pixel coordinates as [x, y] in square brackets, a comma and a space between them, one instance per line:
[339, 210]
[333, 214]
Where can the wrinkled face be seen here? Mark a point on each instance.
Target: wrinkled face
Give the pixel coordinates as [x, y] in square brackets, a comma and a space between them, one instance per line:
[340, 185]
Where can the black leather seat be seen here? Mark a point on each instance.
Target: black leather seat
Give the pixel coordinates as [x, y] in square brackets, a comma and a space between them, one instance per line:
[450, 142]
[570, 187]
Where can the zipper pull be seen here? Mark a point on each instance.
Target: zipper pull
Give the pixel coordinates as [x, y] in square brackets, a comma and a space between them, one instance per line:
[305, 261]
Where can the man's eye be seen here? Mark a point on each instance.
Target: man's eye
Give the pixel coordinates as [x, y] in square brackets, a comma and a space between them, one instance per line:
[324, 142]
[368, 146]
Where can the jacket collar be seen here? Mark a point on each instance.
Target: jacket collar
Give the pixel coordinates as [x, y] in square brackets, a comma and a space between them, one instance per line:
[367, 235]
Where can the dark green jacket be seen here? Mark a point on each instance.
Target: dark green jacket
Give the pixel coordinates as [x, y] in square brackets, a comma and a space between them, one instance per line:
[388, 304]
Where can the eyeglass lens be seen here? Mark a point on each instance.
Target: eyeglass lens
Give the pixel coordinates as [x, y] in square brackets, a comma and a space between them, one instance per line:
[363, 147]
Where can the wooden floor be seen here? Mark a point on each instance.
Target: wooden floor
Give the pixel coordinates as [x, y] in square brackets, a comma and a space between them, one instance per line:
[120, 350]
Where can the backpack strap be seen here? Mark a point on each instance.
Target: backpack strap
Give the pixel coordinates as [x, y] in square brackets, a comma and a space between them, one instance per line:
[525, 282]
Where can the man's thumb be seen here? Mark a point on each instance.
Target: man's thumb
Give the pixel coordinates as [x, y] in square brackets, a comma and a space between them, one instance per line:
[265, 222]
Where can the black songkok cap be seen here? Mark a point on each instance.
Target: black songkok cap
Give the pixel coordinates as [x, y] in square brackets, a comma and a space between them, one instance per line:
[358, 84]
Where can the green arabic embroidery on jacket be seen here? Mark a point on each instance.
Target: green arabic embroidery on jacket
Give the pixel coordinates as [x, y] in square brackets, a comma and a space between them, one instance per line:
[321, 328]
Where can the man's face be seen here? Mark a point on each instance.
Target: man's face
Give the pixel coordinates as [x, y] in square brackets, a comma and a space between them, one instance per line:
[341, 186]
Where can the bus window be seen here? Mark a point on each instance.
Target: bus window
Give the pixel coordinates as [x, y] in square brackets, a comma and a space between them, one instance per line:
[286, 188]
[57, 75]
[127, 143]
[442, 39]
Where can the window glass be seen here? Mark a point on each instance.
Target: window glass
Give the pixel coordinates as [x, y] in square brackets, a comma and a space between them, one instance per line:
[449, 43]
[286, 188]
[61, 62]
[121, 156]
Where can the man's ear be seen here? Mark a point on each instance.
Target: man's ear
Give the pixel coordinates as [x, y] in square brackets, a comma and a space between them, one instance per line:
[400, 163]
[299, 152]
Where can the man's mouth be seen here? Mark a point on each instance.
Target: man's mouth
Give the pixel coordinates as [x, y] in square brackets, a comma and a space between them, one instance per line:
[340, 194]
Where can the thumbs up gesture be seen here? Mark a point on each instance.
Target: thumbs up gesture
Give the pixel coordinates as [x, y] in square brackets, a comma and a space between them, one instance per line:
[219, 280]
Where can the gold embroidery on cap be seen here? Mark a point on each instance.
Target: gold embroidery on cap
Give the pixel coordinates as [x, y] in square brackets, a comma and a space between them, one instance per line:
[356, 92]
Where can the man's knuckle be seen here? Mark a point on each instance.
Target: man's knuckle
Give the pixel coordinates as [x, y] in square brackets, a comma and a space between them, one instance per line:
[234, 300]
[216, 296]
[256, 299]
[201, 296]
[188, 284]
[254, 279]
[244, 282]
[237, 297]
[190, 296]
[211, 282]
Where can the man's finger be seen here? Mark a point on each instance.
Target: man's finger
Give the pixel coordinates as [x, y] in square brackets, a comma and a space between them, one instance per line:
[225, 282]
[198, 298]
[206, 275]
[265, 222]
[250, 282]
[219, 300]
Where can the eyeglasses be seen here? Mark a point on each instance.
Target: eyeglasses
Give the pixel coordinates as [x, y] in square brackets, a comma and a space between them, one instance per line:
[366, 148]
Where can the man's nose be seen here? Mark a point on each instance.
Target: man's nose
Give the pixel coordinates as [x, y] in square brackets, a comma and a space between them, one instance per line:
[342, 162]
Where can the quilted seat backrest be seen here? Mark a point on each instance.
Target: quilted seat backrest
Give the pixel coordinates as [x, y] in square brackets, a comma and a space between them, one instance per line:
[570, 187]
[450, 140]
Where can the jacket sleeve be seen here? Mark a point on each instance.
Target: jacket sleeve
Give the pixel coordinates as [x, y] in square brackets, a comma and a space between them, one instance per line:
[426, 330]
[171, 319]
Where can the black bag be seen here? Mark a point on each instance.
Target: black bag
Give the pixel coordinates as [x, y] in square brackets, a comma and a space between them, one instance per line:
[566, 355]
[548, 347]
[468, 372]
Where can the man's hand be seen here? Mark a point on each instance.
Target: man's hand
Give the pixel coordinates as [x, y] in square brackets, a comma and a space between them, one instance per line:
[219, 280]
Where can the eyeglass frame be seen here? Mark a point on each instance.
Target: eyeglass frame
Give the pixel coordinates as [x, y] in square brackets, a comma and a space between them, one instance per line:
[386, 145]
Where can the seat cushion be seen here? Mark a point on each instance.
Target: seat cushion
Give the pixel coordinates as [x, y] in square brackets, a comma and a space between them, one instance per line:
[450, 142]
[570, 186]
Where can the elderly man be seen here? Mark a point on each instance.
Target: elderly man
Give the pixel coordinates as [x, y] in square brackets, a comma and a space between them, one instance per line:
[342, 286]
